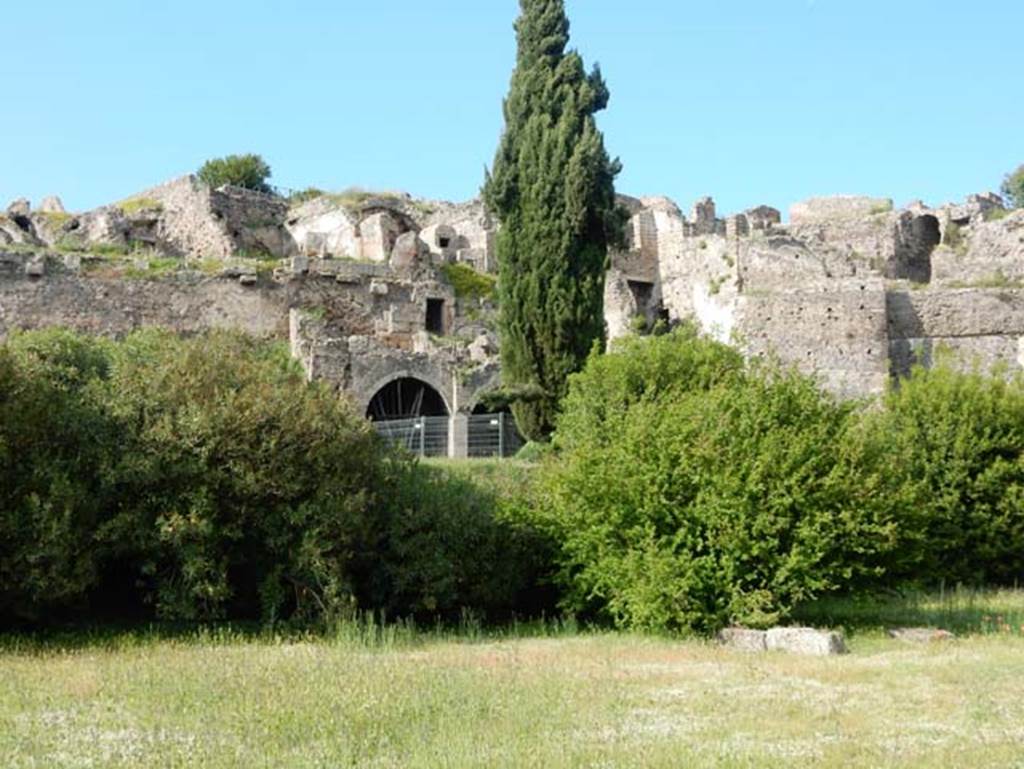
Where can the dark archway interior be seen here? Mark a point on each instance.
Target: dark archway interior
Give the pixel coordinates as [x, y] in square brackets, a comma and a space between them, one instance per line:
[406, 398]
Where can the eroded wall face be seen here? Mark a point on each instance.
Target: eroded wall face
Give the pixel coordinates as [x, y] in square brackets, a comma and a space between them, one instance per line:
[851, 291]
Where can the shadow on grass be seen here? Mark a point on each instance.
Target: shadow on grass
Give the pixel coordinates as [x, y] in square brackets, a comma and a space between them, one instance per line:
[963, 611]
[366, 632]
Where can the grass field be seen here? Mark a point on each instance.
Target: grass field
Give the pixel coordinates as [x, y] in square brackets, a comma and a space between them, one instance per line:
[366, 696]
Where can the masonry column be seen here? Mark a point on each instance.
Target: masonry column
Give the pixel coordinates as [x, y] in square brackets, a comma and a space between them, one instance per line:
[458, 436]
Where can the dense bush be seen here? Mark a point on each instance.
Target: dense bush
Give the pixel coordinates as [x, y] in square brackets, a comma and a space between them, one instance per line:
[947, 450]
[55, 442]
[205, 478]
[689, 492]
[248, 171]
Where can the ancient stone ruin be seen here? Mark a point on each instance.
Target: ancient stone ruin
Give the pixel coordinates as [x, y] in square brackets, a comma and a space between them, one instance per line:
[365, 286]
[850, 290]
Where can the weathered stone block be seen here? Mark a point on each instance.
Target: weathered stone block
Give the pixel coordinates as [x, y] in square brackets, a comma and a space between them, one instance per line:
[743, 639]
[805, 640]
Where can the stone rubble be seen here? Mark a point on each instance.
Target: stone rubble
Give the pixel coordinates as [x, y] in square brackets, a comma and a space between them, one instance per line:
[792, 640]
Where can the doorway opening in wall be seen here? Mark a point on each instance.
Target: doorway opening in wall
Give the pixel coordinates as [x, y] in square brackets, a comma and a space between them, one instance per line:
[444, 242]
[642, 292]
[435, 316]
[411, 413]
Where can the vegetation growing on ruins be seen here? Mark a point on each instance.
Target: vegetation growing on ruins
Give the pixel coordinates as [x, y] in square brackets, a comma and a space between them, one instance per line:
[134, 205]
[552, 188]
[249, 171]
[468, 283]
[1013, 188]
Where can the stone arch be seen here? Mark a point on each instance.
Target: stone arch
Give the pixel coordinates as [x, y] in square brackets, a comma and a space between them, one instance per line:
[405, 394]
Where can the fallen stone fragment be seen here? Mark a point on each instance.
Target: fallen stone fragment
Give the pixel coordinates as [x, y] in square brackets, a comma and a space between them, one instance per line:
[805, 640]
[920, 635]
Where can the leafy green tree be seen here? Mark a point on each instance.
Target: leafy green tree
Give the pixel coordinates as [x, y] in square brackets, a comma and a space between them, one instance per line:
[248, 171]
[688, 491]
[552, 189]
[1013, 188]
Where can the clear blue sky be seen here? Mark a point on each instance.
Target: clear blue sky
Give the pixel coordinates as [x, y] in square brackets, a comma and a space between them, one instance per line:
[750, 101]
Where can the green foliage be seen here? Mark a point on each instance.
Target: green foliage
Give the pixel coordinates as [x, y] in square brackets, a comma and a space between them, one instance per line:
[552, 188]
[55, 439]
[248, 171]
[1013, 188]
[948, 453]
[454, 540]
[204, 478]
[468, 283]
[689, 492]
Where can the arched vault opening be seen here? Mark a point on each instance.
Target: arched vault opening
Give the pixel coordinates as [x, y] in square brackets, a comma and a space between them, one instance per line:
[406, 398]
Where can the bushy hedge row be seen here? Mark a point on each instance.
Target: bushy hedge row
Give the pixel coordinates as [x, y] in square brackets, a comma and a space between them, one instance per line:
[688, 490]
[204, 478]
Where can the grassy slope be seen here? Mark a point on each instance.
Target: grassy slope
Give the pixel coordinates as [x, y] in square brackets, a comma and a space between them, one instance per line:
[572, 700]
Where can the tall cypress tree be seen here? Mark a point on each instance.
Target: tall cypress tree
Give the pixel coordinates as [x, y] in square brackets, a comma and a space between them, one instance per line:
[552, 189]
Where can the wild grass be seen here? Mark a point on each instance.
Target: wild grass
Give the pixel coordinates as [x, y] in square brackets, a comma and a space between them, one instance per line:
[374, 695]
[135, 205]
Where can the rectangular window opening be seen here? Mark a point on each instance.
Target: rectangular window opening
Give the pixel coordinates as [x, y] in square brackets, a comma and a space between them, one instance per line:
[435, 316]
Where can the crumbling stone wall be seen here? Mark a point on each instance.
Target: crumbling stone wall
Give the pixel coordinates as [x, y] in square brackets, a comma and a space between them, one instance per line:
[851, 290]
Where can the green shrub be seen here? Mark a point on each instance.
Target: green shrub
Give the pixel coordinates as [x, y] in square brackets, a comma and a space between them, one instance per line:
[454, 541]
[948, 449]
[248, 171]
[639, 369]
[55, 443]
[689, 493]
[204, 478]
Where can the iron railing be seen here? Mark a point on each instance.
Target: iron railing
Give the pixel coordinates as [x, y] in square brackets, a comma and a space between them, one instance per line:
[423, 436]
[493, 435]
[485, 435]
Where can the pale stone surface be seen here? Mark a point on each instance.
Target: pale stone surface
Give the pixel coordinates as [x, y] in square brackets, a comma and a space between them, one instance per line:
[409, 251]
[793, 640]
[805, 640]
[837, 208]
[743, 639]
[51, 205]
[19, 207]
